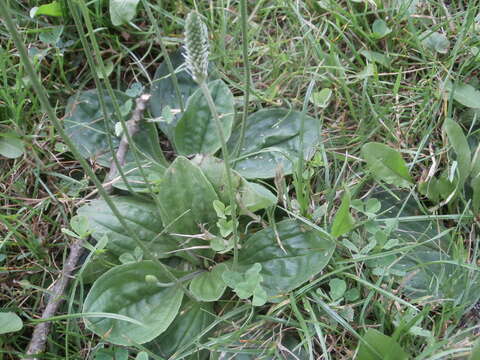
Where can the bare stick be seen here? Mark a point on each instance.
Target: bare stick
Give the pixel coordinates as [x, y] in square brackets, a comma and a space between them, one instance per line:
[40, 333]
[133, 126]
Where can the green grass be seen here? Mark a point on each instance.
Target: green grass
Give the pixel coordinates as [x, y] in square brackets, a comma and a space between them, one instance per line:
[293, 45]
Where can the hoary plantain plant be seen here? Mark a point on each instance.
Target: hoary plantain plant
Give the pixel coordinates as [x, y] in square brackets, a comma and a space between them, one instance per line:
[190, 214]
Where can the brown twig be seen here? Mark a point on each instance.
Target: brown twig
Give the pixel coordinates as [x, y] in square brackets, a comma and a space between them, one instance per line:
[133, 126]
[40, 333]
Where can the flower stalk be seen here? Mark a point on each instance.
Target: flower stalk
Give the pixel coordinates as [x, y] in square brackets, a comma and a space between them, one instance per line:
[196, 59]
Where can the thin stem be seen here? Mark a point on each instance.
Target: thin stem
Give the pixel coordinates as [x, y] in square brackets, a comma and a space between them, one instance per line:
[228, 171]
[246, 65]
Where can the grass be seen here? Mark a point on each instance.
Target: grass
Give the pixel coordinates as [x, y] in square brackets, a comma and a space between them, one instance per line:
[385, 90]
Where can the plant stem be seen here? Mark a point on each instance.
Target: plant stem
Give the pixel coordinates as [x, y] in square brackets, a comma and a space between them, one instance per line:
[246, 64]
[228, 171]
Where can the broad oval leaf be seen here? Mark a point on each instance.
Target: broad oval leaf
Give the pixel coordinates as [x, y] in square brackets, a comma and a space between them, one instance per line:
[10, 322]
[11, 146]
[272, 139]
[209, 285]
[307, 252]
[142, 218]
[186, 201]
[380, 29]
[193, 318]
[386, 164]
[122, 11]
[164, 94]
[84, 123]
[196, 131]
[124, 290]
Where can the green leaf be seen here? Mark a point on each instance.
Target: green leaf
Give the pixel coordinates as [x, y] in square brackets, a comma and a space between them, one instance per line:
[251, 280]
[247, 284]
[462, 149]
[352, 294]
[221, 245]
[164, 94]
[260, 297]
[142, 218]
[307, 252]
[108, 68]
[437, 189]
[80, 225]
[142, 355]
[255, 197]
[321, 98]
[11, 146]
[465, 94]
[186, 199]
[384, 347]
[225, 227]
[372, 206]
[124, 291]
[193, 318]
[51, 9]
[386, 164]
[343, 221]
[337, 288]
[209, 286]
[122, 11]
[249, 195]
[219, 209]
[272, 139]
[436, 41]
[196, 132]
[232, 278]
[85, 125]
[10, 322]
[380, 29]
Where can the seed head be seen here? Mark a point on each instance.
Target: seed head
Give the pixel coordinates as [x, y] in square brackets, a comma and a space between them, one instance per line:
[196, 47]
